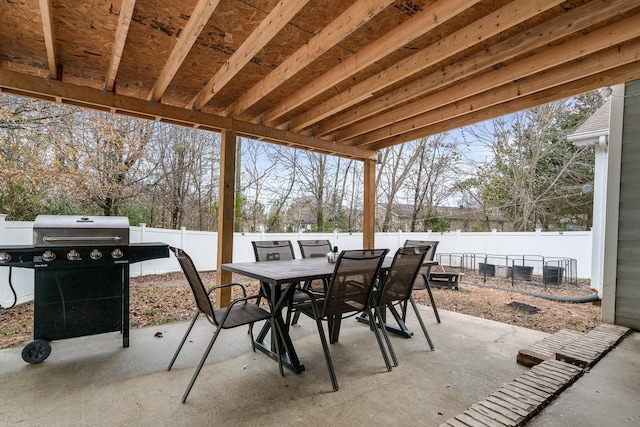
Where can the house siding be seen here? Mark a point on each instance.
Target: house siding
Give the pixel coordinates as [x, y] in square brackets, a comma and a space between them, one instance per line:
[627, 306]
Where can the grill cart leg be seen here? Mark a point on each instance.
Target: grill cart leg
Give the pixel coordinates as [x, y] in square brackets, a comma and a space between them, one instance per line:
[36, 351]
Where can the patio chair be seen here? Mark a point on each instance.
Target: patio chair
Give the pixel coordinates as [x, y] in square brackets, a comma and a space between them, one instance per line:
[348, 294]
[314, 248]
[273, 250]
[424, 273]
[239, 313]
[396, 287]
[311, 249]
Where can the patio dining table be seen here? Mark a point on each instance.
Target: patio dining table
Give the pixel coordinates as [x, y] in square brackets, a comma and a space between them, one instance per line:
[279, 279]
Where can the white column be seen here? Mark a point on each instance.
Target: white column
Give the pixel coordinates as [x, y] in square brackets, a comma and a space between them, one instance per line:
[599, 214]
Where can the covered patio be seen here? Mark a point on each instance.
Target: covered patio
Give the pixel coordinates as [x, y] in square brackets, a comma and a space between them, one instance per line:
[345, 78]
[94, 381]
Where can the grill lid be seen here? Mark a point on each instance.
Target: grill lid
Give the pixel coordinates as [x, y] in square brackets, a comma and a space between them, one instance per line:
[74, 230]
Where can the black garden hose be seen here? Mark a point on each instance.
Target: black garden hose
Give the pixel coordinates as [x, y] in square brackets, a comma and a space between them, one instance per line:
[571, 300]
[15, 296]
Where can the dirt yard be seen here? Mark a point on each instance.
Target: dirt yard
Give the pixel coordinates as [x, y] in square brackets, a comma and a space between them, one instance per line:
[160, 299]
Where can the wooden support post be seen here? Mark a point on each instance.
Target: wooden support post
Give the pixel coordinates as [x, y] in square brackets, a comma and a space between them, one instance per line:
[369, 211]
[226, 214]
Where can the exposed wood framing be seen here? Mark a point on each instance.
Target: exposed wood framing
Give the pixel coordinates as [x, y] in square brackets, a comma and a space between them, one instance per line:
[68, 93]
[198, 20]
[396, 121]
[582, 85]
[268, 28]
[369, 205]
[332, 34]
[424, 21]
[482, 29]
[124, 21]
[226, 215]
[49, 37]
[541, 35]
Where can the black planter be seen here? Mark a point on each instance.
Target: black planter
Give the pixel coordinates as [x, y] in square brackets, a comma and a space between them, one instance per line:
[552, 275]
[522, 272]
[485, 269]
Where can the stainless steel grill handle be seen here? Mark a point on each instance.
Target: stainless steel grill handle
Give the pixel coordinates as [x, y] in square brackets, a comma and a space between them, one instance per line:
[82, 239]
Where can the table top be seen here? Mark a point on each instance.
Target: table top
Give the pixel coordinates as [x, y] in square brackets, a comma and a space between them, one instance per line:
[293, 270]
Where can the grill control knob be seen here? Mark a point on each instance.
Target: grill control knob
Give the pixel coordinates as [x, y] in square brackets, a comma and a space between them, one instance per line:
[4, 257]
[95, 254]
[73, 255]
[117, 253]
[48, 256]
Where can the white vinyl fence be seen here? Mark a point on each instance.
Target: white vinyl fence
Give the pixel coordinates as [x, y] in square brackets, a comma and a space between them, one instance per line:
[202, 247]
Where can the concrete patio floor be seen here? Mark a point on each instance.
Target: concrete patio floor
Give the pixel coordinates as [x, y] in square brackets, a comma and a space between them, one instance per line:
[93, 381]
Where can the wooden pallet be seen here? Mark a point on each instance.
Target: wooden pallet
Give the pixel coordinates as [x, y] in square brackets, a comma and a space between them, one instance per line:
[517, 402]
[590, 348]
[547, 348]
[558, 361]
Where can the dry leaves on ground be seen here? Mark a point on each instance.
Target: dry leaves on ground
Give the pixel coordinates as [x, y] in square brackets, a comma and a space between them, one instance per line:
[160, 299]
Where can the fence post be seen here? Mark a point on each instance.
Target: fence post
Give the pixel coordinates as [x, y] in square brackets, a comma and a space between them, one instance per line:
[143, 226]
[3, 227]
[182, 236]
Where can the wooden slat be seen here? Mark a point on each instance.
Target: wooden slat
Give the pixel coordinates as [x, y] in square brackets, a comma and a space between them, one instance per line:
[36, 87]
[477, 32]
[546, 348]
[541, 35]
[332, 34]
[198, 20]
[281, 14]
[432, 17]
[591, 43]
[606, 78]
[124, 21]
[49, 38]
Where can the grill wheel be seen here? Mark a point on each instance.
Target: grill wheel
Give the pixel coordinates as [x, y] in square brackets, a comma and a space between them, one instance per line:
[36, 351]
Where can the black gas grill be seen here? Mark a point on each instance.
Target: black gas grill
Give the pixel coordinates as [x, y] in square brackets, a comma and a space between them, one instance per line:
[81, 267]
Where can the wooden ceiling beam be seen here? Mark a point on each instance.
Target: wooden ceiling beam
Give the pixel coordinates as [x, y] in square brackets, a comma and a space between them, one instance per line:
[582, 85]
[124, 21]
[423, 22]
[349, 21]
[37, 87]
[614, 57]
[478, 31]
[601, 39]
[555, 29]
[281, 14]
[49, 38]
[190, 33]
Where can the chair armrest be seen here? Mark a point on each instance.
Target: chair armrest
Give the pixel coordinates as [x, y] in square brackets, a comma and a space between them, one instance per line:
[226, 285]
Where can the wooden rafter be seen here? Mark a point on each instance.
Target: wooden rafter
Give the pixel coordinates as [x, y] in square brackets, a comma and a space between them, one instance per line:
[478, 31]
[49, 39]
[437, 14]
[198, 20]
[555, 29]
[124, 21]
[401, 119]
[68, 93]
[349, 21]
[606, 78]
[281, 14]
[611, 58]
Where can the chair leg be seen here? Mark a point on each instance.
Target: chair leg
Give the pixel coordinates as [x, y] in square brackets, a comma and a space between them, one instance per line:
[379, 339]
[433, 302]
[325, 348]
[200, 365]
[184, 339]
[424, 328]
[378, 315]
